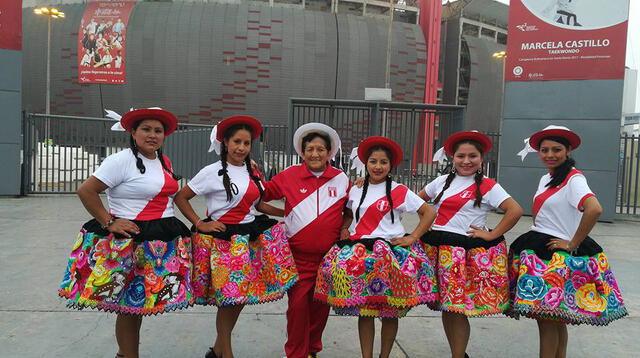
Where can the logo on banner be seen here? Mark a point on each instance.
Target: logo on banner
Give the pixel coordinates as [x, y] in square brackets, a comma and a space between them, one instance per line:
[382, 205]
[466, 194]
[333, 191]
[517, 70]
[525, 27]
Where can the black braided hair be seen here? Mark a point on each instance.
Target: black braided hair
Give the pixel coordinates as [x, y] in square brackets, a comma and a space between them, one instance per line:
[226, 181]
[560, 173]
[164, 165]
[364, 193]
[256, 180]
[447, 183]
[134, 149]
[388, 188]
[478, 177]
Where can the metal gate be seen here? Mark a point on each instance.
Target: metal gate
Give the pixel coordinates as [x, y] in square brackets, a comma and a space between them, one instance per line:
[60, 152]
[628, 196]
[420, 129]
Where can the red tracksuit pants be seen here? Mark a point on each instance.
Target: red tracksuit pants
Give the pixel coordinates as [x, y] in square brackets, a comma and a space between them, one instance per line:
[306, 317]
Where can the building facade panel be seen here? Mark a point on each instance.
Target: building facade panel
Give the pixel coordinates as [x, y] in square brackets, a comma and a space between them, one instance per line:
[206, 61]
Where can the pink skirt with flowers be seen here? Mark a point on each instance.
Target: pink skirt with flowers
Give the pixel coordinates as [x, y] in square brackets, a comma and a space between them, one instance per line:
[253, 265]
[149, 274]
[472, 273]
[370, 277]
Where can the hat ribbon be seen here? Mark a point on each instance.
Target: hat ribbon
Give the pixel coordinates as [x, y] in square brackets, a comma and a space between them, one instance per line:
[526, 150]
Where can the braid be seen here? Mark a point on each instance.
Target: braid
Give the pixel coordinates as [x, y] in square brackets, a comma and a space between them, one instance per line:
[134, 149]
[389, 180]
[560, 173]
[364, 193]
[447, 183]
[253, 177]
[226, 181]
[164, 165]
[478, 179]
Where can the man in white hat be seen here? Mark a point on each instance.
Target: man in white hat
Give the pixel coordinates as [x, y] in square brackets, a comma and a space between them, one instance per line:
[315, 195]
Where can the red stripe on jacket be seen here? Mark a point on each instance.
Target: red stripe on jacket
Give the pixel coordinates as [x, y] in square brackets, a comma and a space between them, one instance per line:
[296, 183]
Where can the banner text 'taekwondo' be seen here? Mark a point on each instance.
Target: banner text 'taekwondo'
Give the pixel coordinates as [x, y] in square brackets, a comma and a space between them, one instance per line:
[551, 40]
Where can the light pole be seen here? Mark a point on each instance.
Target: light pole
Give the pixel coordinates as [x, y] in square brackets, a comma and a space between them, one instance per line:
[501, 56]
[49, 12]
[387, 74]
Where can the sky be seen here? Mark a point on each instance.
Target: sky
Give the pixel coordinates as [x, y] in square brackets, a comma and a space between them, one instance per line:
[633, 42]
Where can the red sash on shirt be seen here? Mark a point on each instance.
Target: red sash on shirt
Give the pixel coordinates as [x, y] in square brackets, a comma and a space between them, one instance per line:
[371, 218]
[156, 206]
[542, 197]
[236, 214]
[451, 205]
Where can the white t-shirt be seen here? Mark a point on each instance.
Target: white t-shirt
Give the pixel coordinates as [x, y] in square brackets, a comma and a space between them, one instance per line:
[455, 210]
[133, 195]
[375, 219]
[241, 209]
[558, 211]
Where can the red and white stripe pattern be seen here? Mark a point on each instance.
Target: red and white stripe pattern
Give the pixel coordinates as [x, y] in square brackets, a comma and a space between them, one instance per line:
[157, 207]
[456, 211]
[558, 211]
[311, 203]
[313, 206]
[375, 218]
[241, 208]
[134, 195]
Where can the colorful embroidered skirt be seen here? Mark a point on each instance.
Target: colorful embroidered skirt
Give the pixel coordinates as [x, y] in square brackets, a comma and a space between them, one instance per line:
[555, 285]
[471, 272]
[247, 264]
[370, 277]
[148, 274]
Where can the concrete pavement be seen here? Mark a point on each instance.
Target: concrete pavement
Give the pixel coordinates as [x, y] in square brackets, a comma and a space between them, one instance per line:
[36, 234]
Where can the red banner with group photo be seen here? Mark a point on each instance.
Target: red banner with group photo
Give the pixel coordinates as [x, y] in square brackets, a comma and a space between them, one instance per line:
[102, 41]
[11, 24]
[566, 40]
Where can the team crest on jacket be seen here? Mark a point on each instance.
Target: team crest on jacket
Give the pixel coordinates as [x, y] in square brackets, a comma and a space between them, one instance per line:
[466, 194]
[382, 205]
[333, 191]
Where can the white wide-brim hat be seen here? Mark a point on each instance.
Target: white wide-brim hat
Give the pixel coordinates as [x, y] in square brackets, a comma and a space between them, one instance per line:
[308, 128]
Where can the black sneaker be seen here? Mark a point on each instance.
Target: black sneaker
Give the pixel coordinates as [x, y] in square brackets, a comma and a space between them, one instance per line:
[210, 353]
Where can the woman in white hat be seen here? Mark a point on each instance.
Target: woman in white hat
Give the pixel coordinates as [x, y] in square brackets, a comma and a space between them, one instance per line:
[239, 257]
[315, 194]
[133, 259]
[378, 270]
[559, 274]
[471, 260]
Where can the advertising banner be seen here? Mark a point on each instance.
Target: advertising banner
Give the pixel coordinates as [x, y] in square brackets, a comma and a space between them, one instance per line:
[102, 41]
[566, 40]
[11, 24]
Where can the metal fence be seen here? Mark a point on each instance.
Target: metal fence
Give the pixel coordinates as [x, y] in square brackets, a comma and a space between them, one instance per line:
[420, 129]
[629, 176]
[60, 152]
